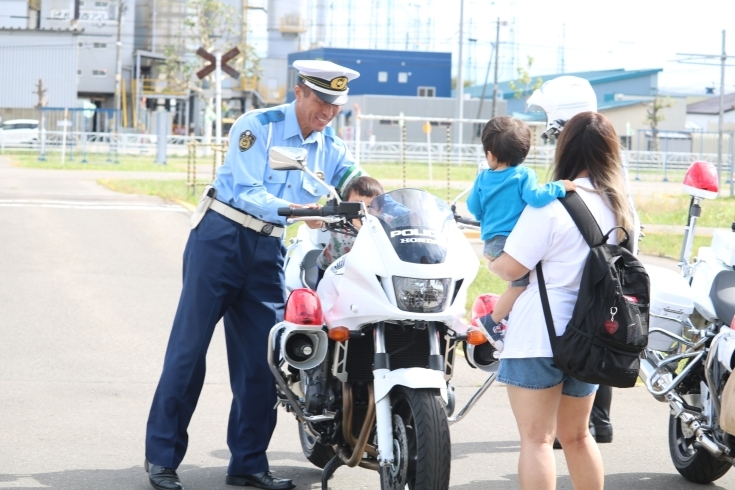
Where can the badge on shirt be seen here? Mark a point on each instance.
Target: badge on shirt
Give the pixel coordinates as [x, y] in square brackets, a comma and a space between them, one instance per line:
[247, 139]
[320, 174]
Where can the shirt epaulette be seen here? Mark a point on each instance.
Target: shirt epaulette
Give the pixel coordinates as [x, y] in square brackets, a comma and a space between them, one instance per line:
[329, 131]
[270, 116]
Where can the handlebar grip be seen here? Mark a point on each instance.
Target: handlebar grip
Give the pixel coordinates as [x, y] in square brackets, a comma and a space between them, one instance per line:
[466, 221]
[310, 212]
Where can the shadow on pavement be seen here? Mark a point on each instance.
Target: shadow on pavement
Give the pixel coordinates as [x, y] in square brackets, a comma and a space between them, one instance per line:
[620, 481]
[135, 478]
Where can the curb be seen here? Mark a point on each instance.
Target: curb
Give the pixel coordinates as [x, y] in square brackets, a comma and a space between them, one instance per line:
[471, 234]
[185, 205]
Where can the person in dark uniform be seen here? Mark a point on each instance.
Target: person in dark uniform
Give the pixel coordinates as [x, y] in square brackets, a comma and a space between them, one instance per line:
[233, 268]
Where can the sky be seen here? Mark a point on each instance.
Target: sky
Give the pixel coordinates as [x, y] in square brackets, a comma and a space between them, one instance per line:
[597, 35]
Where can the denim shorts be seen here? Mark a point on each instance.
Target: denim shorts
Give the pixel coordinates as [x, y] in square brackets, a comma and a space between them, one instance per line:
[494, 248]
[539, 373]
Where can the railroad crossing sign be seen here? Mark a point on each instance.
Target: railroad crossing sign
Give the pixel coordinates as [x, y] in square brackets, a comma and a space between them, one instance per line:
[213, 63]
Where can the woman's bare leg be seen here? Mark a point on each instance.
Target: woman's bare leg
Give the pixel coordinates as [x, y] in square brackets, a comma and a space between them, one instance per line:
[580, 449]
[536, 414]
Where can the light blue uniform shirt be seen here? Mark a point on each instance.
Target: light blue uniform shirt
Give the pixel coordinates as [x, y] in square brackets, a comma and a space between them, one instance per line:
[499, 196]
[247, 182]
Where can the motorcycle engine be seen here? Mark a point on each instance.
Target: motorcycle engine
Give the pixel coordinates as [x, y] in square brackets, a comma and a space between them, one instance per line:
[318, 393]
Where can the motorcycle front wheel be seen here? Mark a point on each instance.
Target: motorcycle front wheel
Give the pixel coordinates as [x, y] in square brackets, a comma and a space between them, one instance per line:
[693, 462]
[421, 444]
[318, 454]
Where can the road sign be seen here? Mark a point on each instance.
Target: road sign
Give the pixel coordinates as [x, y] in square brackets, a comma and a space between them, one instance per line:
[213, 66]
[427, 127]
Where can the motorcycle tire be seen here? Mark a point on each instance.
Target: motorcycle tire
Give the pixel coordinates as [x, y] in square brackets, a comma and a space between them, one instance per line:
[693, 462]
[318, 454]
[425, 427]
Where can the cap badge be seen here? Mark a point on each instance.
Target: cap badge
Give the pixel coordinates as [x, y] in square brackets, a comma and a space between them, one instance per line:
[339, 83]
[247, 139]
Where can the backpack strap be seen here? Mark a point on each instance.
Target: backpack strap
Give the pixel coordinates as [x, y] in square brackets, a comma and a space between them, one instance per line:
[583, 218]
[591, 233]
[545, 305]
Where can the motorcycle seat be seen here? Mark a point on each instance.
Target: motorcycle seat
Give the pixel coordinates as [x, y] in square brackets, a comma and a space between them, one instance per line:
[309, 269]
[722, 295]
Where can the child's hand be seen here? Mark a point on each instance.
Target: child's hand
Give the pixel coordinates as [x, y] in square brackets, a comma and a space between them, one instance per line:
[569, 185]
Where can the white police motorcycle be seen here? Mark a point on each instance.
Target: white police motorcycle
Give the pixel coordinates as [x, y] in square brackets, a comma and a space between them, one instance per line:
[690, 350]
[364, 360]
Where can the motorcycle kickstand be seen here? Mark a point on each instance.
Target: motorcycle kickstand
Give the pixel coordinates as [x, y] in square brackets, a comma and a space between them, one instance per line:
[329, 470]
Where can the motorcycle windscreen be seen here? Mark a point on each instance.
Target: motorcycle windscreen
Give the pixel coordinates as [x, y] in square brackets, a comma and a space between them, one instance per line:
[416, 223]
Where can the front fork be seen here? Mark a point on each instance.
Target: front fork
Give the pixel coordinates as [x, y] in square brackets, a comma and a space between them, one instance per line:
[383, 416]
[381, 370]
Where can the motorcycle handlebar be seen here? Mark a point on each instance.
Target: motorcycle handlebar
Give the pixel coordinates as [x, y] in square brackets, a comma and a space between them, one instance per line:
[348, 210]
[466, 221]
[297, 212]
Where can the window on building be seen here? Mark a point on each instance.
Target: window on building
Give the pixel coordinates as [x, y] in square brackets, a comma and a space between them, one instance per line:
[81, 44]
[427, 92]
[100, 45]
[626, 142]
[402, 77]
[101, 4]
[79, 72]
[99, 73]
[382, 76]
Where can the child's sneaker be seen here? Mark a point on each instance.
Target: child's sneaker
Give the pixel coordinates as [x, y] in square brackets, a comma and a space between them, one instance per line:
[494, 332]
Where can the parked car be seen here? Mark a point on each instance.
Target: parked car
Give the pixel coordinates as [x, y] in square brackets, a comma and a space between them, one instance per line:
[19, 131]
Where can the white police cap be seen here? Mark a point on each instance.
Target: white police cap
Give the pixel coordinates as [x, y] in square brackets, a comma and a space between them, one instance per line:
[328, 80]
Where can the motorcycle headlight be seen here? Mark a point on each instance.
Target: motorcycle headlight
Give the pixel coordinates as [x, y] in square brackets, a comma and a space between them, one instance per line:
[421, 295]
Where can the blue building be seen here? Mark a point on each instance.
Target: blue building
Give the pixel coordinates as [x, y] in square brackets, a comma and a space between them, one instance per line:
[607, 84]
[384, 72]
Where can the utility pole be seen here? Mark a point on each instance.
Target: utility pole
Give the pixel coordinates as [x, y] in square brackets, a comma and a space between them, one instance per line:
[42, 102]
[218, 106]
[118, 64]
[720, 120]
[699, 59]
[495, 78]
[460, 77]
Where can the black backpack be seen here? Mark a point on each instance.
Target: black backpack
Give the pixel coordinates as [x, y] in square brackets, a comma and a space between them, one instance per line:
[609, 325]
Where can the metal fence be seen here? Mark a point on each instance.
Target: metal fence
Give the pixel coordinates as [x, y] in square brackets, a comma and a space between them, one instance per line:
[643, 165]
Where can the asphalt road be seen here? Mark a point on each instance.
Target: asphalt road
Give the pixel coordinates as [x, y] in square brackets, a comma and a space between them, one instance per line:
[89, 282]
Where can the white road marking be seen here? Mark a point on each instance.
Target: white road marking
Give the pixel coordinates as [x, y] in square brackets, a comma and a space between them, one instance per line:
[94, 205]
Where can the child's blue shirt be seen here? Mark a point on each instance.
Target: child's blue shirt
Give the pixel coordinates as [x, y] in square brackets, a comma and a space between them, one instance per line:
[499, 196]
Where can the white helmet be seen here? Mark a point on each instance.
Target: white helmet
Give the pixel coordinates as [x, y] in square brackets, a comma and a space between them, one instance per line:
[562, 98]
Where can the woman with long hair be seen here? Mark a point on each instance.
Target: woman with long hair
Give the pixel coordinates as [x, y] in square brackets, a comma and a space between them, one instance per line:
[545, 401]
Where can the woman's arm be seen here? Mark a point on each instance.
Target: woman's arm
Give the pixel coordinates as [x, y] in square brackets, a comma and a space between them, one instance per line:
[507, 268]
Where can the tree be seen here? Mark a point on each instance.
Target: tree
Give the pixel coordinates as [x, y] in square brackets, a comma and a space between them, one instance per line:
[212, 25]
[655, 115]
[525, 82]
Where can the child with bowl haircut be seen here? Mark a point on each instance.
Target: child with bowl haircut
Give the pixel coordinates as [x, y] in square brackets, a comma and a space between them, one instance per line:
[497, 199]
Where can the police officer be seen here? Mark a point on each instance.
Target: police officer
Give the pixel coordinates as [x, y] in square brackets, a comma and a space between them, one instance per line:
[233, 268]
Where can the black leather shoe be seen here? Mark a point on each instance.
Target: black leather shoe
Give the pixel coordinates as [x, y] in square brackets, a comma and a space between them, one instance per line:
[602, 433]
[260, 480]
[163, 478]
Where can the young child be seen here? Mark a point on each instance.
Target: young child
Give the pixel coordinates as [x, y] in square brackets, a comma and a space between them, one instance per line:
[498, 198]
[363, 189]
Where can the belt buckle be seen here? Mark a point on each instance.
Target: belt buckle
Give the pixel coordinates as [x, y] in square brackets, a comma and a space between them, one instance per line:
[267, 229]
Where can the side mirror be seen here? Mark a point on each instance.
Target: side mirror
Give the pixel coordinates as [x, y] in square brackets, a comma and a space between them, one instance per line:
[285, 158]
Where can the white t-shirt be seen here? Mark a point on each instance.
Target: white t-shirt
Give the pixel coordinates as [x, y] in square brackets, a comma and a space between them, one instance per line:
[549, 235]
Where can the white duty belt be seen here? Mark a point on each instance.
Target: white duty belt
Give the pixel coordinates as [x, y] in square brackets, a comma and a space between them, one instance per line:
[246, 220]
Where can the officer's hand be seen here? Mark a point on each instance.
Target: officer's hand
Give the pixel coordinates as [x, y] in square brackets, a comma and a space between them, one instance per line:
[311, 223]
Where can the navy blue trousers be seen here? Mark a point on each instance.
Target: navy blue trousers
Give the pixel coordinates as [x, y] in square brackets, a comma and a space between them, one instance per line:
[236, 273]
